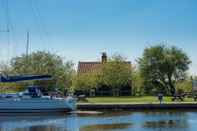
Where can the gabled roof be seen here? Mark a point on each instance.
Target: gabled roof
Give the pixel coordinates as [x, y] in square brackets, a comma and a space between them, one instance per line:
[84, 67]
[87, 67]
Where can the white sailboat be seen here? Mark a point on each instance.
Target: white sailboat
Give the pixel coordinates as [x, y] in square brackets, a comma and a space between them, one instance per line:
[32, 99]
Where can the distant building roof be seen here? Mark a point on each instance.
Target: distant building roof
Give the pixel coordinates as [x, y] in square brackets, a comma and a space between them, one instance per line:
[85, 67]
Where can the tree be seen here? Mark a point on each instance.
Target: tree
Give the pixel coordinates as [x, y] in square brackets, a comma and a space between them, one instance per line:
[85, 81]
[42, 62]
[4, 68]
[137, 83]
[163, 66]
[116, 73]
[113, 74]
[184, 86]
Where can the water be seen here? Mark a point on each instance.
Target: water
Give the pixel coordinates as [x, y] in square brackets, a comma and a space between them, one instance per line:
[108, 121]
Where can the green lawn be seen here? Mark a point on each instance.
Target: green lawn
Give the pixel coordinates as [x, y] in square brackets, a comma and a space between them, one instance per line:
[7, 91]
[132, 99]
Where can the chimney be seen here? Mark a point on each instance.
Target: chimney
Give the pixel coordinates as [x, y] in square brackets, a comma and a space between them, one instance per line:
[104, 57]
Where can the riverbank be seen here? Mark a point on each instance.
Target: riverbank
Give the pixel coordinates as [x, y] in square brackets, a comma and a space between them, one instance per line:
[129, 103]
[131, 99]
[136, 106]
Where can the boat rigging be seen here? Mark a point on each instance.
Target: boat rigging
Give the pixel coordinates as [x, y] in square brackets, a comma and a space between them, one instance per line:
[32, 99]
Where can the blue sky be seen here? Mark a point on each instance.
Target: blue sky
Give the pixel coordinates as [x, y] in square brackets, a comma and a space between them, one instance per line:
[80, 30]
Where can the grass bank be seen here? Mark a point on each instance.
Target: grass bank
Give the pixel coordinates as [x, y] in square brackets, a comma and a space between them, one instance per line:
[7, 91]
[134, 100]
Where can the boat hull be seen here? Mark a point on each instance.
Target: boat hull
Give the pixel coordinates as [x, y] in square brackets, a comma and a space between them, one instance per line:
[36, 105]
[34, 110]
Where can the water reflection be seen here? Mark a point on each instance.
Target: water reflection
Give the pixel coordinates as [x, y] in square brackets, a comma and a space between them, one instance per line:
[101, 127]
[109, 120]
[32, 122]
[40, 128]
[106, 113]
[166, 124]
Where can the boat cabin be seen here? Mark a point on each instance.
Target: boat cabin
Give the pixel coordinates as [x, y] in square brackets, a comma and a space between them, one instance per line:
[33, 92]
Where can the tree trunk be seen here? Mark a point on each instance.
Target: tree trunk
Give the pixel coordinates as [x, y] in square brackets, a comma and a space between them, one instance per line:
[115, 92]
[172, 88]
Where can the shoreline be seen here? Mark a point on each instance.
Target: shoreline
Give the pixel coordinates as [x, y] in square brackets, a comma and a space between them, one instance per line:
[136, 106]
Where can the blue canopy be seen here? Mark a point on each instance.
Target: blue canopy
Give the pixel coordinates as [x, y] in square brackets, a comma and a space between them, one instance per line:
[23, 78]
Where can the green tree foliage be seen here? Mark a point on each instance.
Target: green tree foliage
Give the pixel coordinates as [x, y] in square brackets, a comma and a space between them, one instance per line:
[137, 83]
[8, 87]
[4, 68]
[86, 81]
[163, 66]
[116, 73]
[184, 86]
[42, 62]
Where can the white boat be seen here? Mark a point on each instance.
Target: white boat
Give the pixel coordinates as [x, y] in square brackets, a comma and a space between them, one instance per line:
[32, 101]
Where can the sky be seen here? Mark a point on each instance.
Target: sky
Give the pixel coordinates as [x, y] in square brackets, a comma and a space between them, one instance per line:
[79, 30]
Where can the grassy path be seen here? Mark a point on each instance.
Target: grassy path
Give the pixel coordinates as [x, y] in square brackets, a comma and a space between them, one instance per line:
[134, 100]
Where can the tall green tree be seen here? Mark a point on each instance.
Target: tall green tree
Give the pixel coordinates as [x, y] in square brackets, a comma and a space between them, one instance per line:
[85, 81]
[116, 73]
[137, 83]
[163, 66]
[42, 62]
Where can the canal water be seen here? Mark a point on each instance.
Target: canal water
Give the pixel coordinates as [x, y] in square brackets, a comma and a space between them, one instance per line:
[108, 121]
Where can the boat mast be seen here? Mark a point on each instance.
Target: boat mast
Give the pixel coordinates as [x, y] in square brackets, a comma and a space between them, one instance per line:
[7, 27]
[27, 45]
[27, 53]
